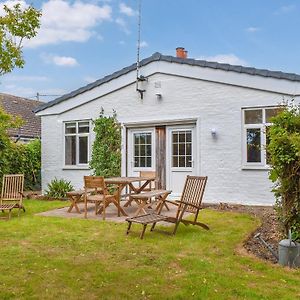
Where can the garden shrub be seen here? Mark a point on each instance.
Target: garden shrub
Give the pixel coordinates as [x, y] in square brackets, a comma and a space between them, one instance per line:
[17, 158]
[106, 152]
[284, 151]
[58, 188]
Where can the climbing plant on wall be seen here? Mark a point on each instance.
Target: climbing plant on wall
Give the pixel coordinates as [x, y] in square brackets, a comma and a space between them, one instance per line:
[106, 151]
[284, 151]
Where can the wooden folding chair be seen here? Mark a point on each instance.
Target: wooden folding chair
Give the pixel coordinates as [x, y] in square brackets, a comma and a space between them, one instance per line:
[12, 193]
[95, 191]
[190, 202]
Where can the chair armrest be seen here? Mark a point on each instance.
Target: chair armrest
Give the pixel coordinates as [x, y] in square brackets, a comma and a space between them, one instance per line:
[171, 202]
[189, 204]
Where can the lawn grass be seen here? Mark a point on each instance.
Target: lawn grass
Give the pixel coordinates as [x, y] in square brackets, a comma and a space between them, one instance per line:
[51, 257]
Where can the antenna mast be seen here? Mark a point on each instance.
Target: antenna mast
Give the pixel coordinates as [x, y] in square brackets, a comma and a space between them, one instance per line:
[138, 77]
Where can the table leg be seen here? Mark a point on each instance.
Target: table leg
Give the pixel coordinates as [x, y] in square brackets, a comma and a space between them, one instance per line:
[141, 207]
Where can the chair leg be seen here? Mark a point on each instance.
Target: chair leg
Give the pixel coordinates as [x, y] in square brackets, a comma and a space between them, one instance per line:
[19, 209]
[9, 214]
[129, 226]
[179, 219]
[103, 212]
[143, 231]
[153, 226]
[85, 208]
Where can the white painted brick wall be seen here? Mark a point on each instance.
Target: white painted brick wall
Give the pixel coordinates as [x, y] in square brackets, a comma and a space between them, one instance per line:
[217, 106]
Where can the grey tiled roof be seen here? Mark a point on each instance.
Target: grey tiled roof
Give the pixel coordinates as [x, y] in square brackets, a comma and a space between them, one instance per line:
[23, 108]
[188, 61]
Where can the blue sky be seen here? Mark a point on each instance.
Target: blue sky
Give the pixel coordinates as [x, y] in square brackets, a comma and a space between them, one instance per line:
[82, 41]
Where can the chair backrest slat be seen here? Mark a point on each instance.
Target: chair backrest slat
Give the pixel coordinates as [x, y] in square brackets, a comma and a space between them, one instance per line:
[193, 192]
[12, 188]
[95, 182]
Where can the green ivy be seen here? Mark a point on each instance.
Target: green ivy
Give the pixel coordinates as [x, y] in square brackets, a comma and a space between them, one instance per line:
[106, 152]
[284, 150]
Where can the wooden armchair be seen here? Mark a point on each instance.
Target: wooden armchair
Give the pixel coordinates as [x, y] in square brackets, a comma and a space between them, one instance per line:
[95, 191]
[12, 193]
[190, 202]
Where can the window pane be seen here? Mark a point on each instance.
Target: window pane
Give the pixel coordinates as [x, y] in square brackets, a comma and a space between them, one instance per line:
[188, 136]
[148, 139]
[83, 127]
[182, 137]
[70, 128]
[253, 116]
[181, 149]
[175, 149]
[148, 162]
[182, 161]
[253, 145]
[175, 161]
[142, 162]
[175, 137]
[188, 161]
[188, 149]
[83, 149]
[272, 112]
[149, 150]
[143, 150]
[70, 150]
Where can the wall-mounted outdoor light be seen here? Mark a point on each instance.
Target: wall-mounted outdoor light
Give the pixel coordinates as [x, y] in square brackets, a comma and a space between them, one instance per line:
[158, 96]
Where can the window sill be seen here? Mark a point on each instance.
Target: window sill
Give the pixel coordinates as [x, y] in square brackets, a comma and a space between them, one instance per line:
[76, 168]
[262, 168]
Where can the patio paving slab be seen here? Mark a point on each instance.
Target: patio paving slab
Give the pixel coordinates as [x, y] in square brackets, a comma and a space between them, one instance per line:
[111, 212]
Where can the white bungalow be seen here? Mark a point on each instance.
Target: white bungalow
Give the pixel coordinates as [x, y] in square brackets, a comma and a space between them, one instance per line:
[188, 117]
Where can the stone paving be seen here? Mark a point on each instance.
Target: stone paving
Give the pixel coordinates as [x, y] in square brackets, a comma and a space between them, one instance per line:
[111, 212]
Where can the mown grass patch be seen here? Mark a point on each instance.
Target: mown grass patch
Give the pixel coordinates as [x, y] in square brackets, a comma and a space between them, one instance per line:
[51, 257]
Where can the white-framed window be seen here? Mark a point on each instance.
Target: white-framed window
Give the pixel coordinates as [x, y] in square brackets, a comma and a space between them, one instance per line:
[255, 135]
[143, 149]
[182, 148]
[77, 141]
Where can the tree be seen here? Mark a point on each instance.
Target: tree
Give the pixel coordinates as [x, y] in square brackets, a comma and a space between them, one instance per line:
[16, 25]
[284, 150]
[106, 154]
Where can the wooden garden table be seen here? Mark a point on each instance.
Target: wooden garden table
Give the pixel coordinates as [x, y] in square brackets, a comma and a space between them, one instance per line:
[122, 182]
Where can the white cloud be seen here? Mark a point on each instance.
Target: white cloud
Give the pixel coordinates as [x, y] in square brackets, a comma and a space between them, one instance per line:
[225, 58]
[253, 29]
[143, 44]
[285, 9]
[123, 25]
[66, 22]
[62, 61]
[126, 10]
[66, 61]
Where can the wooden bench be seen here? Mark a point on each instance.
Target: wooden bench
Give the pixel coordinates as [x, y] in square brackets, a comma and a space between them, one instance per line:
[144, 199]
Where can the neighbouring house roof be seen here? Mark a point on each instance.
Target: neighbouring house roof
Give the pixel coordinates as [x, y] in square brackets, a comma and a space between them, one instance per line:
[188, 61]
[23, 108]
